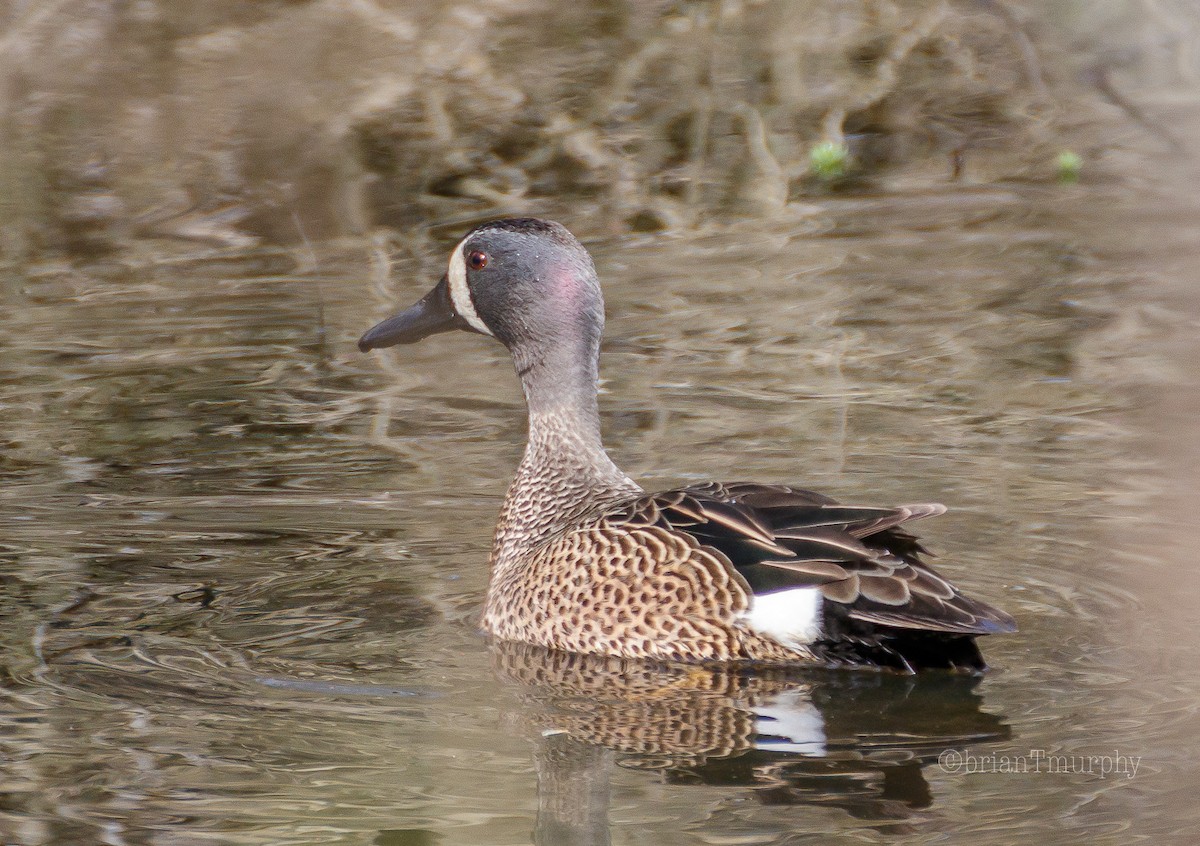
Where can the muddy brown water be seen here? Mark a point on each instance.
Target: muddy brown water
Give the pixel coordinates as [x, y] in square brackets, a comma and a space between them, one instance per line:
[241, 563]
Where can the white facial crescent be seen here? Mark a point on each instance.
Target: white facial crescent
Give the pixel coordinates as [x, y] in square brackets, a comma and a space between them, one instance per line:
[460, 293]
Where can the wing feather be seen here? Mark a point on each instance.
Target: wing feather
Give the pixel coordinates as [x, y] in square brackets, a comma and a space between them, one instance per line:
[779, 538]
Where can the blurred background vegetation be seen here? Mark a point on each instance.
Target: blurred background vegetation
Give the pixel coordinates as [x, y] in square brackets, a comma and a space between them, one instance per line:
[283, 122]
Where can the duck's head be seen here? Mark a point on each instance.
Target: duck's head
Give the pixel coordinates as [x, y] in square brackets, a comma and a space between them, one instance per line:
[528, 283]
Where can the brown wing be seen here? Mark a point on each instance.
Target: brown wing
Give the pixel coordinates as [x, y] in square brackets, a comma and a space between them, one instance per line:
[779, 538]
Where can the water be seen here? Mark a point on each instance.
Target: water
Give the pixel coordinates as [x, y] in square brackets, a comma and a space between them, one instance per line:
[242, 562]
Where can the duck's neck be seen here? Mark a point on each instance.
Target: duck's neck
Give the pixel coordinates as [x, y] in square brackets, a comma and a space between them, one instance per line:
[565, 472]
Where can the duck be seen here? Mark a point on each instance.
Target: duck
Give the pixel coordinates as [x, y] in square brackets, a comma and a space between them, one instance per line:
[585, 561]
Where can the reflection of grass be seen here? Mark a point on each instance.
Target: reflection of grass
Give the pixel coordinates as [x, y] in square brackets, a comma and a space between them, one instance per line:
[829, 160]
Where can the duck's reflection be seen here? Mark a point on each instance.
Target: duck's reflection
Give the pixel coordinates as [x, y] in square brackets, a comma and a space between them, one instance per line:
[854, 740]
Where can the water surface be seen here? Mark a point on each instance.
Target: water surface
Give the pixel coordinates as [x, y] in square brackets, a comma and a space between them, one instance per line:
[242, 563]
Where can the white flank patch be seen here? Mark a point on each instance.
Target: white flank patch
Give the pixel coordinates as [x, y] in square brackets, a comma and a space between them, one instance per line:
[791, 617]
[460, 294]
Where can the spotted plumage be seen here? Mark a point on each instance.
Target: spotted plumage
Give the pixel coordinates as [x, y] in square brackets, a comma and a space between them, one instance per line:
[585, 561]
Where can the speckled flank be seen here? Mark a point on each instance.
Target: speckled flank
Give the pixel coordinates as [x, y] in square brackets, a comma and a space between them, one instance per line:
[602, 588]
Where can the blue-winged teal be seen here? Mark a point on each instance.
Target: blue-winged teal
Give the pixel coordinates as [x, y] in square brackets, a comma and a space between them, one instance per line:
[586, 561]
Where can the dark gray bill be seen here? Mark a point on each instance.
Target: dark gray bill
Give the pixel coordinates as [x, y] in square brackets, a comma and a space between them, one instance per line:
[431, 315]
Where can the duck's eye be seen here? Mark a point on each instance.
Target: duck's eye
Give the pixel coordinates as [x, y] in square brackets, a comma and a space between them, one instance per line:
[477, 260]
